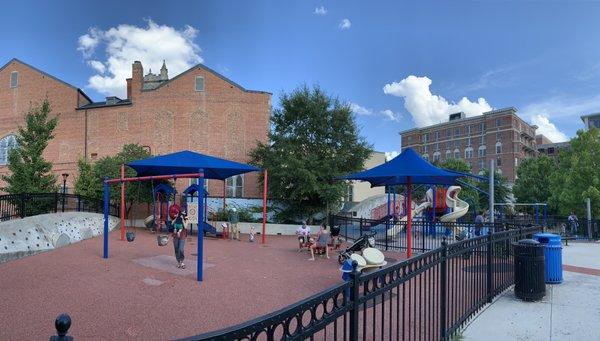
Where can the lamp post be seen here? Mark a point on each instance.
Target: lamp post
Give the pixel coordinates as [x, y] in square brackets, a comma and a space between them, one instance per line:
[64, 189]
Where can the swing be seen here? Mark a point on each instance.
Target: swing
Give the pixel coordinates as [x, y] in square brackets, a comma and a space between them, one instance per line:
[130, 235]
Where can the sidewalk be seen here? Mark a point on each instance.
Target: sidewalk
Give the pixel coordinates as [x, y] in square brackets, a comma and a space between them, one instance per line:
[570, 310]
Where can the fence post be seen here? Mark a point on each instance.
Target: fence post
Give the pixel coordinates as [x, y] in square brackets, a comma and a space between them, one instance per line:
[56, 202]
[443, 288]
[423, 237]
[353, 300]
[386, 239]
[490, 273]
[360, 226]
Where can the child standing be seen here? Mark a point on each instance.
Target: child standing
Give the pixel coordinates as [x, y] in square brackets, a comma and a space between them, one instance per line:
[251, 236]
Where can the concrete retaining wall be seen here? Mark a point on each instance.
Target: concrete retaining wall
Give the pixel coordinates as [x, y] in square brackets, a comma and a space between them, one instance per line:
[22, 237]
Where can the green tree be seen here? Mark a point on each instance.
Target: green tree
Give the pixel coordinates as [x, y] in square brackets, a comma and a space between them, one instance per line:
[91, 176]
[533, 180]
[313, 140]
[29, 171]
[578, 175]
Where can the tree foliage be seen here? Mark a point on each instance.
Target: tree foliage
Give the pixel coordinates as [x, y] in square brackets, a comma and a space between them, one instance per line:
[29, 171]
[313, 140]
[91, 176]
[533, 180]
[578, 175]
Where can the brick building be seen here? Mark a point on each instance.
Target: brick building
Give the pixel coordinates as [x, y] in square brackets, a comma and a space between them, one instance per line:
[198, 110]
[500, 135]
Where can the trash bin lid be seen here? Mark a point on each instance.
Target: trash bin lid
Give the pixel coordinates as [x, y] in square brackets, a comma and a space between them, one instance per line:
[528, 242]
[547, 238]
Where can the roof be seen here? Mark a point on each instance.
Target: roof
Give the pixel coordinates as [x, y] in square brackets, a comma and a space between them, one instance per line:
[104, 104]
[590, 116]
[188, 162]
[511, 110]
[407, 165]
[204, 67]
[46, 74]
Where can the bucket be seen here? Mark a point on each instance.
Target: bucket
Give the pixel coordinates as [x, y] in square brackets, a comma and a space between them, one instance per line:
[162, 239]
[130, 236]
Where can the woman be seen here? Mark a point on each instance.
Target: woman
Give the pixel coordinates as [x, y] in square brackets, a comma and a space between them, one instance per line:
[323, 237]
[179, 234]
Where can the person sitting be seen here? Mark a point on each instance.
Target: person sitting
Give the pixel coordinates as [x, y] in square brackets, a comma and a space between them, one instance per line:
[303, 233]
[336, 241]
[322, 241]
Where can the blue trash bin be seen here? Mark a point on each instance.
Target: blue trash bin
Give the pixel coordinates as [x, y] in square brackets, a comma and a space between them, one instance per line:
[553, 255]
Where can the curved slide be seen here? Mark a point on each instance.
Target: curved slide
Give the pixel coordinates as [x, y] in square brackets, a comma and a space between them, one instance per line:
[398, 227]
[459, 207]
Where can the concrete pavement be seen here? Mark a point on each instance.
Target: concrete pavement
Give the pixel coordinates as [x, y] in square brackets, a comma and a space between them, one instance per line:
[570, 310]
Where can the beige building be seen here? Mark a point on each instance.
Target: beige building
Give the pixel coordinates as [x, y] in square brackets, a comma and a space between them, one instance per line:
[498, 135]
[361, 190]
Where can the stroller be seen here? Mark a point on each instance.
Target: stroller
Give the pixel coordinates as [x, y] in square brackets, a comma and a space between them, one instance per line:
[365, 241]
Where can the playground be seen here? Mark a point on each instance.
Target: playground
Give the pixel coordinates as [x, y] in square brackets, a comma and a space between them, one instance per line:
[139, 293]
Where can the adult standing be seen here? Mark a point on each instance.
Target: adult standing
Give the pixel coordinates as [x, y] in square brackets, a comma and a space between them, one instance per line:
[479, 219]
[234, 219]
[180, 226]
[573, 223]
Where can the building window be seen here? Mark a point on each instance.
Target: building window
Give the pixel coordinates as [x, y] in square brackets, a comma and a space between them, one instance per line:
[6, 144]
[409, 139]
[350, 194]
[437, 135]
[14, 79]
[482, 139]
[199, 83]
[456, 131]
[448, 154]
[425, 149]
[481, 151]
[426, 157]
[468, 142]
[448, 132]
[498, 136]
[468, 153]
[436, 156]
[235, 186]
[468, 130]
[499, 171]
[482, 127]
[498, 147]
[550, 150]
[456, 154]
[499, 162]
[481, 165]
[456, 144]
[437, 146]
[498, 122]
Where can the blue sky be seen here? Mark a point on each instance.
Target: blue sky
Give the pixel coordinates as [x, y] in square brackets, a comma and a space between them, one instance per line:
[541, 57]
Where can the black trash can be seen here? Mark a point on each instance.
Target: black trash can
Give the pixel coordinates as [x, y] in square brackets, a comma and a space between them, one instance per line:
[530, 284]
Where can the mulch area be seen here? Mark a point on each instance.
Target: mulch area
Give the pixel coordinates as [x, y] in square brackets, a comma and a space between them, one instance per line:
[138, 293]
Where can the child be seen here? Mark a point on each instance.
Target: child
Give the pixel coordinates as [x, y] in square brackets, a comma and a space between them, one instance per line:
[178, 223]
[251, 236]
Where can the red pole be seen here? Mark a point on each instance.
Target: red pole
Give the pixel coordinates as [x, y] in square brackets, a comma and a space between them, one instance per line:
[122, 203]
[409, 219]
[265, 188]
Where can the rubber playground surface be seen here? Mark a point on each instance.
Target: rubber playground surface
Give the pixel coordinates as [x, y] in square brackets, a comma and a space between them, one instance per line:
[139, 293]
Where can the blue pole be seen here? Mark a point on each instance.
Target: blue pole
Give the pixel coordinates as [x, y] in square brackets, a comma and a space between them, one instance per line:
[432, 228]
[395, 212]
[106, 201]
[200, 227]
[388, 203]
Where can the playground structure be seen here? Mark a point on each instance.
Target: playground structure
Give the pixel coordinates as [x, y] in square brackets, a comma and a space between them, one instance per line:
[186, 165]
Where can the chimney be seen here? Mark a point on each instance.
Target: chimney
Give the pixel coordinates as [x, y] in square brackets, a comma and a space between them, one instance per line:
[137, 77]
[128, 88]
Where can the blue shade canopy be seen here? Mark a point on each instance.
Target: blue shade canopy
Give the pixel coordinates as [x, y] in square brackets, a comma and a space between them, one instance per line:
[407, 164]
[187, 162]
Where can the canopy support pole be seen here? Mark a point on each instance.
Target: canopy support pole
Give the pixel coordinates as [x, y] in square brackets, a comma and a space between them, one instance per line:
[122, 202]
[200, 241]
[491, 190]
[224, 195]
[264, 224]
[409, 219]
[106, 200]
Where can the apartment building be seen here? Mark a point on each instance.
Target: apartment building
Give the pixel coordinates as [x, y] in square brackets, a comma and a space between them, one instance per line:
[499, 135]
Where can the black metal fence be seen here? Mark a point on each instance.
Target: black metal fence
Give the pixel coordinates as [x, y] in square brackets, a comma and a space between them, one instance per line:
[428, 297]
[24, 205]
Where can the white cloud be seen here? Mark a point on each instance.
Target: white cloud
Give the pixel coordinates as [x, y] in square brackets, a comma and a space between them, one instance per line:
[427, 108]
[320, 10]
[125, 44]
[359, 110]
[345, 24]
[548, 129]
[391, 155]
[390, 115]
[97, 65]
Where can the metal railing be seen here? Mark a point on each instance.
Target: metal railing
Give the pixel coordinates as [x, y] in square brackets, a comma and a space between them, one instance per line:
[428, 297]
[14, 206]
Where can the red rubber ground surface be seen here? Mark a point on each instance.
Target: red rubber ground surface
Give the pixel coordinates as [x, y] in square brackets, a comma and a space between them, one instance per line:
[121, 299]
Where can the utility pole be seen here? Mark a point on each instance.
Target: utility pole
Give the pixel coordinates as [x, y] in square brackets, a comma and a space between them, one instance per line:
[491, 190]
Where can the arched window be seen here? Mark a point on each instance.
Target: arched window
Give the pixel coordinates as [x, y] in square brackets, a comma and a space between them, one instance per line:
[436, 156]
[6, 144]
[448, 154]
[456, 153]
[498, 147]
[481, 151]
[235, 186]
[426, 156]
[468, 153]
